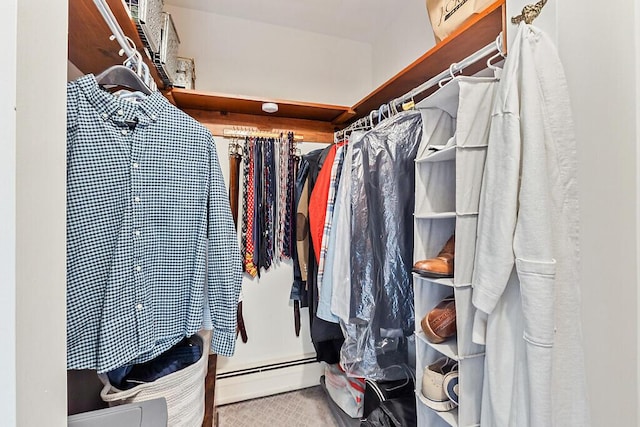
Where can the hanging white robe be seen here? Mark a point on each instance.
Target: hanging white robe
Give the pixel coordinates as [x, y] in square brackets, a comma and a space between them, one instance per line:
[526, 275]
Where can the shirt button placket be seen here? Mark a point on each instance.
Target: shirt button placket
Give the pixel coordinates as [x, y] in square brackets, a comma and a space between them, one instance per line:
[138, 200]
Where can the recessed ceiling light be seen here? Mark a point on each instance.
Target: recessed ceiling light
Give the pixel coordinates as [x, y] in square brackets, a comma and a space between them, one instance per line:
[269, 107]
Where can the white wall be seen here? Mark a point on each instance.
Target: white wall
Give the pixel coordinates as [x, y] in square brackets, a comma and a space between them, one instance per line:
[598, 50]
[40, 213]
[244, 57]
[250, 58]
[406, 36]
[8, 33]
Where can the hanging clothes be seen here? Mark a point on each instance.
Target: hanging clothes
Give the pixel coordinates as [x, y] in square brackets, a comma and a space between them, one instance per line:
[318, 201]
[329, 237]
[382, 201]
[338, 270]
[326, 337]
[148, 225]
[298, 288]
[526, 269]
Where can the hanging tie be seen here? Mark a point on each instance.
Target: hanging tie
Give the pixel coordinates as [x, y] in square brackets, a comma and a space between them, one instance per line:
[249, 265]
[245, 197]
[283, 174]
[268, 206]
[290, 200]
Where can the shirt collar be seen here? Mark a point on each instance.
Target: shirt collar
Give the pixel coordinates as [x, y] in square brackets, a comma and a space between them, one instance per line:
[108, 105]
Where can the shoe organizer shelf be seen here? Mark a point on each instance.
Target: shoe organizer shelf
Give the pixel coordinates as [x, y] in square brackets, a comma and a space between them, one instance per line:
[449, 169]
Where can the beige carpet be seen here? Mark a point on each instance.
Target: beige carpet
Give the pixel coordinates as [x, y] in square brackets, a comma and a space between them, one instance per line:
[302, 408]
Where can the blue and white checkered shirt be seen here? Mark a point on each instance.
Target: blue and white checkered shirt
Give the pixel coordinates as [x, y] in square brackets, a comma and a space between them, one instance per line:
[148, 224]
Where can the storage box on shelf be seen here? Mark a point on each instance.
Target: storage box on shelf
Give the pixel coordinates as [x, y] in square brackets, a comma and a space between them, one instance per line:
[185, 73]
[167, 58]
[147, 14]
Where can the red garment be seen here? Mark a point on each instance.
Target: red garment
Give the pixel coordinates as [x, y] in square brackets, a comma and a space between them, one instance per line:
[318, 201]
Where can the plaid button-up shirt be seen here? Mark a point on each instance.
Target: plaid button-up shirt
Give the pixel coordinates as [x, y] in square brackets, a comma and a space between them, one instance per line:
[336, 170]
[148, 225]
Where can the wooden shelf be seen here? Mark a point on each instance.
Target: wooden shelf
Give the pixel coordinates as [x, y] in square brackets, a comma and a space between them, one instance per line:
[475, 34]
[194, 100]
[92, 52]
[221, 111]
[89, 46]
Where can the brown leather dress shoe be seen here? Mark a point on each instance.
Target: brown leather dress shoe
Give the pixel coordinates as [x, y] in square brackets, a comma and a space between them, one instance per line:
[440, 323]
[440, 266]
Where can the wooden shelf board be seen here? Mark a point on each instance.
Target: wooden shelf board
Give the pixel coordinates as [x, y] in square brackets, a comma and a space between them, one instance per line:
[89, 46]
[194, 100]
[475, 34]
[217, 122]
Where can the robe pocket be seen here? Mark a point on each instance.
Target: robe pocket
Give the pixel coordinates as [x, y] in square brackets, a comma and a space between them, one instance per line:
[537, 289]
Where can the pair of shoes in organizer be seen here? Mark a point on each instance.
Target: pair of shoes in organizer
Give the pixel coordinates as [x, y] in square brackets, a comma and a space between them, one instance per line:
[441, 265]
[440, 385]
[440, 323]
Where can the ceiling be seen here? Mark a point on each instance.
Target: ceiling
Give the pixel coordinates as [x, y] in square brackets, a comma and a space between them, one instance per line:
[359, 20]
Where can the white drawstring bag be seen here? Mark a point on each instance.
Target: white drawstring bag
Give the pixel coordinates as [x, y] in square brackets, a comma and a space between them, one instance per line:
[183, 390]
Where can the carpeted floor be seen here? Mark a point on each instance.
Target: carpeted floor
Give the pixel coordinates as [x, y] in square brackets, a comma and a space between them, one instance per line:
[302, 408]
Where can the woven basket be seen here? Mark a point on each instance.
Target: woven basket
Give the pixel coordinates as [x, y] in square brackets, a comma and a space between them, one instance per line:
[183, 390]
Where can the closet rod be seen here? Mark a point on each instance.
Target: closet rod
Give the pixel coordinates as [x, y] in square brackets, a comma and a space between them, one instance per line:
[115, 28]
[454, 68]
[450, 72]
[239, 133]
[134, 58]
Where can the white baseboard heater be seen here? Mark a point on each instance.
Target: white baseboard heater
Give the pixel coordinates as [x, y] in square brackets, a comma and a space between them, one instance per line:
[266, 380]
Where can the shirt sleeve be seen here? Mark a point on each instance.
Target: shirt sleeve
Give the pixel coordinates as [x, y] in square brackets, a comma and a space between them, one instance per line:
[498, 213]
[224, 263]
[73, 93]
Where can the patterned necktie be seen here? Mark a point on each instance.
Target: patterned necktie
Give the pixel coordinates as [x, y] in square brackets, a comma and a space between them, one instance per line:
[269, 199]
[245, 197]
[258, 221]
[290, 208]
[249, 265]
[283, 173]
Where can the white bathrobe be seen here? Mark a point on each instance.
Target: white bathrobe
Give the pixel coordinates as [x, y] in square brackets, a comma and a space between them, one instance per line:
[526, 283]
